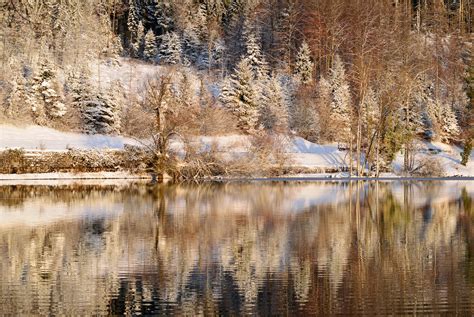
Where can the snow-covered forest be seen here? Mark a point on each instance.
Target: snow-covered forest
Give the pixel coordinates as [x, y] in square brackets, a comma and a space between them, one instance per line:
[375, 77]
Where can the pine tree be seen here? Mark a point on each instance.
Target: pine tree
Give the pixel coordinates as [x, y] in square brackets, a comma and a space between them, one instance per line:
[78, 86]
[341, 101]
[274, 112]
[304, 65]
[449, 124]
[241, 98]
[226, 95]
[164, 16]
[133, 19]
[101, 112]
[255, 56]
[137, 44]
[440, 119]
[19, 96]
[171, 49]
[135, 28]
[47, 103]
[192, 45]
[150, 50]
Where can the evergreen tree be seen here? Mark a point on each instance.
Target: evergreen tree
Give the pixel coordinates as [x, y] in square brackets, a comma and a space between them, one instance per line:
[307, 121]
[341, 100]
[171, 49]
[164, 16]
[78, 87]
[101, 113]
[274, 112]
[192, 45]
[449, 124]
[133, 19]
[440, 119]
[466, 153]
[304, 65]
[240, 97]
[255, 56]
[226, 95]
[19, 96]
[138, 41]
[150, 50]
[47, 102]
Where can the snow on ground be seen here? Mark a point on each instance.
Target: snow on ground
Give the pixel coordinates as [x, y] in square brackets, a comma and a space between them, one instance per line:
[301, 152]
[12, 178]
[43, 138]
[448, 155]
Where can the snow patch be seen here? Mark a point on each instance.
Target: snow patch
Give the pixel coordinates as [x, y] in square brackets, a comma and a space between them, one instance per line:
[43, 138]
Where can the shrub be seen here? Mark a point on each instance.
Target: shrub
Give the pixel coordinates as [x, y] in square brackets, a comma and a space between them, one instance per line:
[429, 167]
[12, 161]
[466, 153]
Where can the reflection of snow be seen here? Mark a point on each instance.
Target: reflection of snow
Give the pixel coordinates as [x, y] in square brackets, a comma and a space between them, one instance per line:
[87, 247]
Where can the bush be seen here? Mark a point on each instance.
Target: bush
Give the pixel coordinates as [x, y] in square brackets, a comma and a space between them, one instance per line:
[12, 161]
[429, 167]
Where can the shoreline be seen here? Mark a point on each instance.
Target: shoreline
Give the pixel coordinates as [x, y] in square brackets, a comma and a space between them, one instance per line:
[5, 179]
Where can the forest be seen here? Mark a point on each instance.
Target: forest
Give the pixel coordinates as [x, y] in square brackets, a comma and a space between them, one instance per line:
[375, 77]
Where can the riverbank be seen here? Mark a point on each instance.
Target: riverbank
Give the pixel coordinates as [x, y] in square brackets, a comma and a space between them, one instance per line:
[6, 179]
[34, 150]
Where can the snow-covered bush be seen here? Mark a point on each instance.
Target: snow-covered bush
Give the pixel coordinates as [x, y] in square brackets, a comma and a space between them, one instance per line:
[429, 167]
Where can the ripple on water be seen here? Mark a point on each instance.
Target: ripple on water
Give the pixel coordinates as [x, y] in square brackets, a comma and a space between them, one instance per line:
[238, 249]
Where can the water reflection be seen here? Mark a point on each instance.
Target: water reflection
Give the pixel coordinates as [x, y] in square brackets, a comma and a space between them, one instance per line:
[238, 248]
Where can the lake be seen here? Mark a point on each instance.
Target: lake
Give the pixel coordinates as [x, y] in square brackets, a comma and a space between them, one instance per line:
[238, 248]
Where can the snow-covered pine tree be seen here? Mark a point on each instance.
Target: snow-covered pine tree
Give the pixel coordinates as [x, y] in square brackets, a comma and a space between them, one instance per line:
[240, 97]
[254, 55]
[47, 103]
[274, 110]
[19, 99]
[439, 116]
[449, 123]
[101, 112]
[170, 51]
[412, 112]
[133, 24]
[341, 111]
[116, 48]
[226, 95]
[150, 50]
[307, 121]
[192, 45]
[138, 41]
[164, 16]
[78, 87]
[133, 18]
[304, 65]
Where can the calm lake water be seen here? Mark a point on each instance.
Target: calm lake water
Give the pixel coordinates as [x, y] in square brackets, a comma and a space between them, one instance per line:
[265, 248]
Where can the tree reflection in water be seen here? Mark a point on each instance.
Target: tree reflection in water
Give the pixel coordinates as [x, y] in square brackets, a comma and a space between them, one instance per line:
[238, 248]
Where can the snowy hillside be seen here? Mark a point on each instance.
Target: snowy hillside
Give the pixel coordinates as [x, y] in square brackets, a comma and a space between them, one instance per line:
[301, 152]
